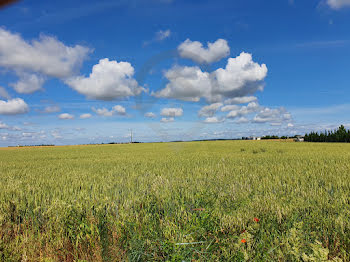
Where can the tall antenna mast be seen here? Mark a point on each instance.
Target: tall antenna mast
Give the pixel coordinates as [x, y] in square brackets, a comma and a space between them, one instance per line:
[130, 135]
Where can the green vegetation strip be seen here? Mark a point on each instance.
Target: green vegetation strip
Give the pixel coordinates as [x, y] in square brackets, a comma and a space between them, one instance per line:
[198, 201]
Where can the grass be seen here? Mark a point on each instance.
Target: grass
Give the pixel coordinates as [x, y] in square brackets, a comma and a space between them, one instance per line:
[176, 202]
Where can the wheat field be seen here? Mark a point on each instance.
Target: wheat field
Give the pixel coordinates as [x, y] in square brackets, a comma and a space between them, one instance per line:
[194, 201]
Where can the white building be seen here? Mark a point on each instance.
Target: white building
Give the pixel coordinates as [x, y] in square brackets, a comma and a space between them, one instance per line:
[299, 139]
[253, 138]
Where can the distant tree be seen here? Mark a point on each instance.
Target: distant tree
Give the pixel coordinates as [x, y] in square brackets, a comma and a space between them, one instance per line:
[338, 135]
[270, 137]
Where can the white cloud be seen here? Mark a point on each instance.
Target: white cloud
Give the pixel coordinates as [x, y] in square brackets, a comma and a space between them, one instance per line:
[85, 116]
[56, 134]
[209, 110]
[13, 107]
[242, 120]
[244, 110]
[46, 56]
[287, 116]
[195, 51]
[103, 111]
[3, 125]
[290, 125]
[52, 109]
[171, 112]
[120, 110]
[15, 128]
[186, 83]
[240, 100]
[65, 116]
[250, 108]
[28, 124]
[117, 109]
[161, 35]
[167, 119]
[274, 116]
[29, 134]
[263, 114]
[150, 115]
[338, 4]
[4, 94]
[213, 120]
[229, 108]
[275, 124]
[108, 80]
[28, 83]
[240, 77]
[233, 114]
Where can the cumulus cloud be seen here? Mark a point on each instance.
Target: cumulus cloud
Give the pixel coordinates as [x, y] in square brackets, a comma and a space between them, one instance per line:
[120, 110]
[213, 120]
[29, 134]
[13, 107]
[150, 115]
[171, 112]
[233, 114]
[186, 83]
[229, 108]
[209, 110]
[167, 119]
[28, 83]
[274, 116]
[338, 4]
[108, 80]
[117, 109]
[244, 110]
[52, 109]
[195, 51]
[241, 77]
[242, 120]
[46, 55]
[85, 116]
[29, 137]
[103, 111]
[240, 100]
[65, 116]
[263, 114]
[4, 94]
[250, 108]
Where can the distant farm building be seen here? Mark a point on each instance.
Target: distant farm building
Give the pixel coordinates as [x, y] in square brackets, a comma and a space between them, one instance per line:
[299, 139]
[251, 138]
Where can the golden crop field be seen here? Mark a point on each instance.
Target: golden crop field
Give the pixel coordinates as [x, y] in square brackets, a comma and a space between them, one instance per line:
[195, 201]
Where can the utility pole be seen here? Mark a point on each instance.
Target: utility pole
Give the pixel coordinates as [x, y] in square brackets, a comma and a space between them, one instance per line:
[131, 136]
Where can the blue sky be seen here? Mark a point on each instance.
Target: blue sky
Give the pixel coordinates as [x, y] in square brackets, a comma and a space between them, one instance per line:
[76, 72]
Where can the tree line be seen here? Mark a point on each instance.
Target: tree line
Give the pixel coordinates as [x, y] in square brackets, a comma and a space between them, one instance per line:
[338, 135]
[269, 137]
